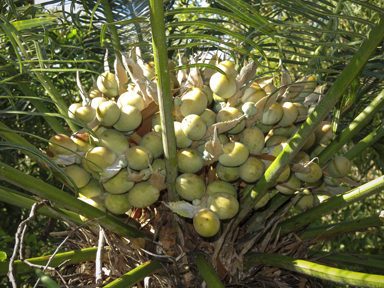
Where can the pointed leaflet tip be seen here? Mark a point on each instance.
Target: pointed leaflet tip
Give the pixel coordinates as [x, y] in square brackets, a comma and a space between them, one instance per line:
[184, 208]
[134, 177]
[121, 75]
[139, 58]
[106, 66]
[246, 74]
[223, 126]
[194, 77]
[152, 90]
[84, 95]
[214, 148]
[136, 74]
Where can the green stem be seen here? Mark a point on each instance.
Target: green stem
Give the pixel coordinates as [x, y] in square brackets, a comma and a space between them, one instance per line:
[314, 270]
[46, 191]
[207, 272]
[109, 15]
[347, 259]
[21, 200]
[331, 230]
[333, 95]
[369, 140]
[165, 96]
[356, 125]
[333, 204]
[77, 256]
[136, 275]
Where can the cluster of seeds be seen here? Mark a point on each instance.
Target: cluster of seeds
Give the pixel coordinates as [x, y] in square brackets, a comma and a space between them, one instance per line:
[229, 128]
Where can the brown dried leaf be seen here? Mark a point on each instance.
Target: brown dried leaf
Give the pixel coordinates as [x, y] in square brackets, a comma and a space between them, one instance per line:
[138, 243]
[49, 153]
[167, 237]
[291, 247]
[314, 97]
[177, 113]
[270, 272]
[246, 74]
[221, 270]
[262, 105]
[145, 127]
[285, 80]
[263, 81]
[189, 279]
[294, 90]
[298, 239]
[135, 137]
[158, 180]
[208, 72]
[276, 239]
[134, 177]
[235, 99]
[152, 90]
[265, 243]
[149, 110]
[90, 125]
[194, 77]
[266, 102]
[205, 246]
[195, 144]
[137, 213]
[214, 147]
[202, 59]
[302, 282]
[222, 127]
[211, 175]
[235, 138]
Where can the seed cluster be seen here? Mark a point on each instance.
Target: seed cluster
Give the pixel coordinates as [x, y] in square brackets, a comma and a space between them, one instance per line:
[229, 128]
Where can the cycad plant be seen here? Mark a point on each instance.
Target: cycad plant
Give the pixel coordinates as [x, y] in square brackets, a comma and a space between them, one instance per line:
[322, 57]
